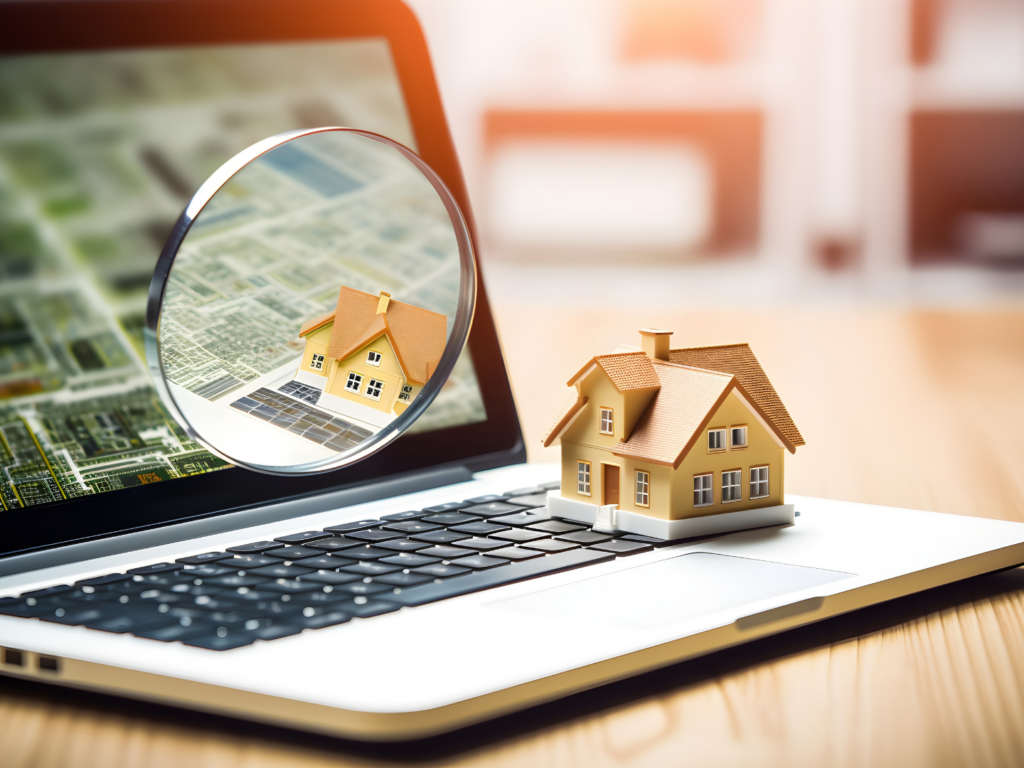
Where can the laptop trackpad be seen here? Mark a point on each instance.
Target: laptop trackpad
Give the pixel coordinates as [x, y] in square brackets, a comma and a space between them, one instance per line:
[669, 591]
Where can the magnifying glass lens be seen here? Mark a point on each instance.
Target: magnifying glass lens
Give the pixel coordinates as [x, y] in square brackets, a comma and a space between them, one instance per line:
[311, 301]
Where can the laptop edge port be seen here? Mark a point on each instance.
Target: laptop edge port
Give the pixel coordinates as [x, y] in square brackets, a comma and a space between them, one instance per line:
[14, 658]
[49, 664]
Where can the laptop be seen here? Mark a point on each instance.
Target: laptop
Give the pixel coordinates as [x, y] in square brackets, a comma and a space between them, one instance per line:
[131, 560]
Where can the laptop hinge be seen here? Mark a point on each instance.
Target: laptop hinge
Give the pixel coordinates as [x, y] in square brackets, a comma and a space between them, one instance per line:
[247, 518]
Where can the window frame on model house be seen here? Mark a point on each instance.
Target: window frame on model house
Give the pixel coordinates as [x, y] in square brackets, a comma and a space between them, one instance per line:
[317, 361]
[733, 445]
[642, 496]
[610, 419]
[702, 488]
[373, 358]
[720, 432]
[354, 377]
[758, 482]
[406, 394]
[374, 388]
[735, 475]
[583, 477]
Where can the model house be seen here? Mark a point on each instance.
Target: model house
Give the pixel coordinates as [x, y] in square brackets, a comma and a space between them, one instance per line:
[674, 442]
[371, 356]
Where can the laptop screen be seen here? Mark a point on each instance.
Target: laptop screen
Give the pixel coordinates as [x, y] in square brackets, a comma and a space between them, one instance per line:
[99, 152]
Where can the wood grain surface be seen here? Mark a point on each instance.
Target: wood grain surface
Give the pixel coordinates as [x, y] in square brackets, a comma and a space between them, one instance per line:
[913, 409]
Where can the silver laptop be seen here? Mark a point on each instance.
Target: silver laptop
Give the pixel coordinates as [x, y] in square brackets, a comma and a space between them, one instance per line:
[131, 561]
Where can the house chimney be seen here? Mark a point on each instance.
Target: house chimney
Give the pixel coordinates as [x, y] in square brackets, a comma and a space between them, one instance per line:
[384, 300]
[654, 343]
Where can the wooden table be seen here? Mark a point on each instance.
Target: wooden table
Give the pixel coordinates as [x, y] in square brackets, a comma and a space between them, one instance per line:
[913, 409]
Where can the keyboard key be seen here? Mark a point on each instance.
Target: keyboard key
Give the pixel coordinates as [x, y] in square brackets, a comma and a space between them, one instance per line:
[154, 568]
[443, 507]
[531, 491]
[369, 568]
[584, 537]
[330, 577]
[195, 589]
[482, 528]
[76, 617]
[372, 607]
[367, 553]
[647, 540]
[532, 501]
[440, 537]
[320, 597]
[205, 571]
[515, 553]
[375, 535]
[404, 545]
[428, 593]
[550, 545]
[409, 560]
[293, 553]
[361, 588]
[323, 562]
[291, 586]
[446, 553]
[321, 620]
[479, 562]
[302, 538]
[520, 519]
[253, 595]
[483, 499]
[244, 562]
[482, 545]
[255, 548]
[492, 509]
[556, 526]
[337, 544]
[206, 557]
[451, 518]
[172, 632]
[441, 571]
[234, 581]
[412, 514]
[99, 580]
[349, 527]
[520, 535]
[412, 526]
[620, 547]
[134, 624]
[403, 579]
[226, 637]
[279, 571]
[47, 591]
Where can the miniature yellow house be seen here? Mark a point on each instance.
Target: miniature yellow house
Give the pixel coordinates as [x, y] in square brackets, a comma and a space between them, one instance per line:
[673, 443]
[371, 356]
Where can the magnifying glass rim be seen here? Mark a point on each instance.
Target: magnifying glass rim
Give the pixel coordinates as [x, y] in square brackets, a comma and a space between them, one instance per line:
[460, 328]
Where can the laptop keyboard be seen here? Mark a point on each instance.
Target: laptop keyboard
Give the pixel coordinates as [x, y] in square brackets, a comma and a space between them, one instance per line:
[271, 589]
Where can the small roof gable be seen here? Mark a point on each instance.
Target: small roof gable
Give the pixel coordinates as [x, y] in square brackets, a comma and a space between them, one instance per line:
[628, 371]
[417, 335]
[673, 420]
[739, 360]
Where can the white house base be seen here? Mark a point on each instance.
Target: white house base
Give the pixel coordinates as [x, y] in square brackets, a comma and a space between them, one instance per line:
[362, 415]
[723, 522]
[311, 379]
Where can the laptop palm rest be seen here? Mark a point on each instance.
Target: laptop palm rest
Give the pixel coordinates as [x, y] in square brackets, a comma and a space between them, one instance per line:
[671, 591]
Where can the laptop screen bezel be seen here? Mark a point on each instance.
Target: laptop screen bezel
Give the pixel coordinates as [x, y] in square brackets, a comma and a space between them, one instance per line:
[61, 26]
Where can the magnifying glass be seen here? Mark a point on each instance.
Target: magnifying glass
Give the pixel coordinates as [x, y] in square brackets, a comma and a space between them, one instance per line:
[311, 301]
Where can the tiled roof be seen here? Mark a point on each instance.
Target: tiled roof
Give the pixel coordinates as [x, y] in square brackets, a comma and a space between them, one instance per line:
[417, 335]
[571, 407]
[672, 421]
[629, 371]
[739, 360]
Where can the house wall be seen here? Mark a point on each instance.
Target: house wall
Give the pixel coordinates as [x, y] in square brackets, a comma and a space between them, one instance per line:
[389, 371]
[762, 450]
[316, 344]
[660, 479]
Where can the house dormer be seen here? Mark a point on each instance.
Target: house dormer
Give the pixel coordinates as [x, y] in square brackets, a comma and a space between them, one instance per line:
[616, 390]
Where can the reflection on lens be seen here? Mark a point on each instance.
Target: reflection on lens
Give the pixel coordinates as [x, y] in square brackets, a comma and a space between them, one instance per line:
[362, 366]
[312, 301]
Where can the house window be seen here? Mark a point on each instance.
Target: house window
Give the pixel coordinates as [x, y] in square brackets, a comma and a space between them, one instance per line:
[583, 478]
[373, 358]
[406, 393]
[758, 482]
[317, 363]
[702, 494]
[716, 439]
[606, 421]
[355, 381]
[373, 389]
[731, 486]
[643, 489]
[738, 437]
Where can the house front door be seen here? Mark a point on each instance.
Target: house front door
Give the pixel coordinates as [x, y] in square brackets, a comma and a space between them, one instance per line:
[611, 484]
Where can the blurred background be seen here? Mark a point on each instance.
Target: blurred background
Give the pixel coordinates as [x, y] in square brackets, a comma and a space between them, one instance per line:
[751, 150]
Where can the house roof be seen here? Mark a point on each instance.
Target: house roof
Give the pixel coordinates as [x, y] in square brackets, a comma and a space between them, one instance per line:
[628, 371]
[417, 335]
[739, 360]
[686, 399]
